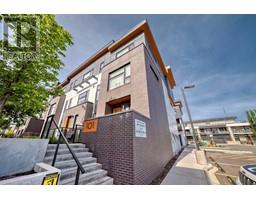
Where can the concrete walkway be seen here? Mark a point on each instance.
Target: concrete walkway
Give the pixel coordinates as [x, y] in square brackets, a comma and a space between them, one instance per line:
[186, 171]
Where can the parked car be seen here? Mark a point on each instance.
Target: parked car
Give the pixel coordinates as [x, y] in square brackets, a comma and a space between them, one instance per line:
[247, 175]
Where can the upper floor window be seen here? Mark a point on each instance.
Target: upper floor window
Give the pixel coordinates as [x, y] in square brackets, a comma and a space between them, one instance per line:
[88, 74]
[52, 109]
[83, 97]
[119, 77]
[124, 50]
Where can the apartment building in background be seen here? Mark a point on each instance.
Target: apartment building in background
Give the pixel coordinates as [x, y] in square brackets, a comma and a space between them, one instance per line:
[125, 91]
[222, 130]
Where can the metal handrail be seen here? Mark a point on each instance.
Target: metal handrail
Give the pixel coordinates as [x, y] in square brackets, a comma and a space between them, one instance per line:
[79, 165]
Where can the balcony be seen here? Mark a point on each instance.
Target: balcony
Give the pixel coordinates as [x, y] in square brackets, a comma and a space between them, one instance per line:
[86, 83]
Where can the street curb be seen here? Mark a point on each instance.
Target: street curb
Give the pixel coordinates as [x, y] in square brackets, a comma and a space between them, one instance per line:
[210, 171]
[228, 151]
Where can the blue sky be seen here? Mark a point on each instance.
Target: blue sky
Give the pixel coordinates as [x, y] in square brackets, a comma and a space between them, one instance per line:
[217, 53]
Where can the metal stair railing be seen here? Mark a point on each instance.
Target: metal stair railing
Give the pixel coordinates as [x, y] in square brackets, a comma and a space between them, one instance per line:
[50, 119]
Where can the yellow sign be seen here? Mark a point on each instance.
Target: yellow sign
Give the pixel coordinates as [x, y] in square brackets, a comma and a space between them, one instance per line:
[51, 179]
[90, 125]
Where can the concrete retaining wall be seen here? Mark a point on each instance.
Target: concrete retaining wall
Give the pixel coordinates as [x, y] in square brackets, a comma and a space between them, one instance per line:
[41, 169]
[18, 155]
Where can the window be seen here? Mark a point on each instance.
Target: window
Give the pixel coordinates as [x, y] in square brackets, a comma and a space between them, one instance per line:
[88, 74]
[83, 97]
[118, 105]
[52, 109]
[121, 107]
[119, 77]
[124, 50]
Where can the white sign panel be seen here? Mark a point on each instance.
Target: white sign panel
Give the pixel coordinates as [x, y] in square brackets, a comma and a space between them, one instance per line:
[140, 128]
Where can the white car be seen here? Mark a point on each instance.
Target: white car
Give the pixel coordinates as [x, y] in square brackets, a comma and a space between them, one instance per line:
[247, 175]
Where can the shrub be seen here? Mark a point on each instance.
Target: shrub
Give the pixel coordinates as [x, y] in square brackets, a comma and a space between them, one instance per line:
[9, 134]
[53, 139]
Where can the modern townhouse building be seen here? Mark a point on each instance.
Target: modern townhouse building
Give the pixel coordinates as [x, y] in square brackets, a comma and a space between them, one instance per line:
[222, 130]
[121, 100]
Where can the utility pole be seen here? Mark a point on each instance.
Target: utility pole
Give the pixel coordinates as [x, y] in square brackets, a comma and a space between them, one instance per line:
[189, 115]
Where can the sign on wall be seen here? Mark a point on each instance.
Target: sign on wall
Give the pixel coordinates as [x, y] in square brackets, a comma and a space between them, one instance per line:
[90, 125]
[140, 128]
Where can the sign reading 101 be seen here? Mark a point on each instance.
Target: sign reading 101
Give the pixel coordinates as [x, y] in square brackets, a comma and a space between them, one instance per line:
[90, 126]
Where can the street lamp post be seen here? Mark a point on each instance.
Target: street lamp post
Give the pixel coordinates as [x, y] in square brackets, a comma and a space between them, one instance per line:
[189, 115]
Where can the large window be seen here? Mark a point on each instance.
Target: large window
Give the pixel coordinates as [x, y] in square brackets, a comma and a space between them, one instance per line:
[119, 77]
[124, 50]
[83, 97]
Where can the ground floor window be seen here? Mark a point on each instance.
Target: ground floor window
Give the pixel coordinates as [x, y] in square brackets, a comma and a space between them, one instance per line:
[118, 105]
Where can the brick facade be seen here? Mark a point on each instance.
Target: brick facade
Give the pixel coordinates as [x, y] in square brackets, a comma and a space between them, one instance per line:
[129, 159]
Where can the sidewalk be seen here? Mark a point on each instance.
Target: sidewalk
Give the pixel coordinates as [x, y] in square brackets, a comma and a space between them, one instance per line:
[186, 171]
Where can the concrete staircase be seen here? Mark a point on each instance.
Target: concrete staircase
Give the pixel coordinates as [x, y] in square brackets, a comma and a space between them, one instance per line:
[94, 174]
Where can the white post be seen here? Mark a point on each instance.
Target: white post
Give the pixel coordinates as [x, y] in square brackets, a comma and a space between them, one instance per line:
[231, 134]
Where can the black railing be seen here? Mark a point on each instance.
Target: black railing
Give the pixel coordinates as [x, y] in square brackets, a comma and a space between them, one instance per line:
[76, 136]
[47, 127]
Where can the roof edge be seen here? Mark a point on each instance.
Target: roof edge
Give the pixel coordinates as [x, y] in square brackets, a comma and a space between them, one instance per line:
[113, 45]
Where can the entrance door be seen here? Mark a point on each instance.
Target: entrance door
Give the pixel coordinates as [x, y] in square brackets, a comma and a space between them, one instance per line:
[67, 124]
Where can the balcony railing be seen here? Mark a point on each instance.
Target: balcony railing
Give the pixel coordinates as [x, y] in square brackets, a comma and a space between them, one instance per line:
[86, 83]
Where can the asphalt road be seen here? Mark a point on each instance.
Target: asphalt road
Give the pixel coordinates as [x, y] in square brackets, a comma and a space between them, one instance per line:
[228, 164]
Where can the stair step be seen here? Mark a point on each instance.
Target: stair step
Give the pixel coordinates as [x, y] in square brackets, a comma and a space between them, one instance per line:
[85, 178]
[71, 172]
[64, 146]
[66, 151]
[106, 180]
[62, 157]
[72, 163]
[94, 174]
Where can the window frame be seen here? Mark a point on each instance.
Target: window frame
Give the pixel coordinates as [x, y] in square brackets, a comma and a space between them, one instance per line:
[123, 74]
[121, 51]
[79, 101]
[90, 74]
